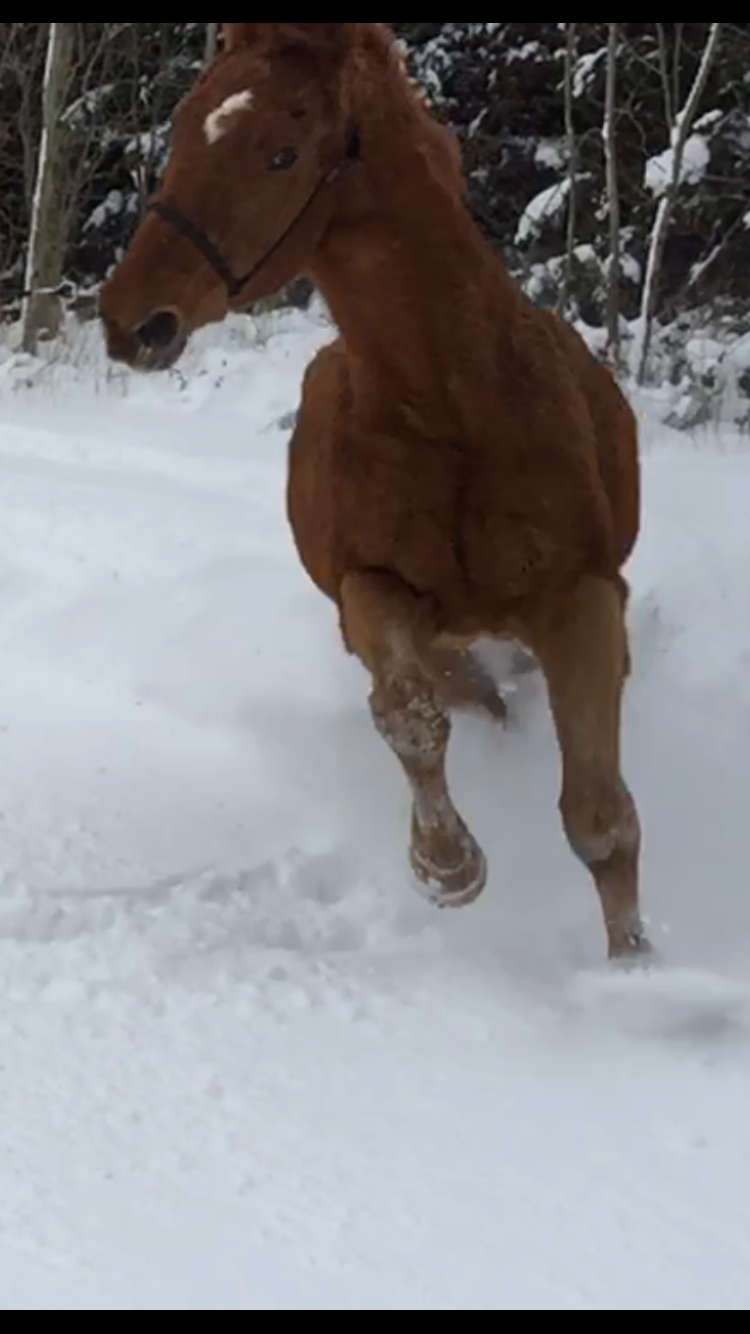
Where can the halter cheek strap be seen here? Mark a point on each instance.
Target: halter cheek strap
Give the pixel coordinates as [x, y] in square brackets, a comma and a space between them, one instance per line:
[236, 283]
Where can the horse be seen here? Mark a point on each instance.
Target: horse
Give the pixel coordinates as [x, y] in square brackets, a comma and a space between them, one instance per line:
[462, 467]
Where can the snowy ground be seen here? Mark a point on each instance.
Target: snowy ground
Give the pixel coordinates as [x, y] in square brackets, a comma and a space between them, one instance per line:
[242, 1066]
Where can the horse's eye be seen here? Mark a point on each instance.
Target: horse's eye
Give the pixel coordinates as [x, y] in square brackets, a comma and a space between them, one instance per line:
[283, 160]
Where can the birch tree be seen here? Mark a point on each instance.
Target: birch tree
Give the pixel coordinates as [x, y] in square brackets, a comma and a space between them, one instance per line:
[680, 130]
[572, 152]
[42, 310]
[614, 266]
[212, 41]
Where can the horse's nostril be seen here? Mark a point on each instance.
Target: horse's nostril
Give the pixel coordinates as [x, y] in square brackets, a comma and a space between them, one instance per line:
[159, 331]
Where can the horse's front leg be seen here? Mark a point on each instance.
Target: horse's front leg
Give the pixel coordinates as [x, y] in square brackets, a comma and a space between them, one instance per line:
[385, 624]
[583, 648]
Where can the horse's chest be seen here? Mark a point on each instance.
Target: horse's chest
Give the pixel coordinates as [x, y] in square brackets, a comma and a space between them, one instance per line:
[398, 507]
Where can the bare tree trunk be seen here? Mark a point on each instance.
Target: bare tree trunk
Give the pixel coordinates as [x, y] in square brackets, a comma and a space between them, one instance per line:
[42, 313]
[212, 42]
[613, 195]
[679, 135]
[666, 72]
[679, 30]
[572, 149]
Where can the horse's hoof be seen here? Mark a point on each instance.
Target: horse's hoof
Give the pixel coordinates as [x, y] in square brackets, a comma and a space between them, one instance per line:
[450, 886]
[497, 708]
[523, 662]
[634, 954]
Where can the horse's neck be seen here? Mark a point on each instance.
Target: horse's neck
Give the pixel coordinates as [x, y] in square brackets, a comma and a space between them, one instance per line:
[413, 286]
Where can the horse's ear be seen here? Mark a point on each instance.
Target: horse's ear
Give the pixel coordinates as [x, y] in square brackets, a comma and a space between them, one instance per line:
[322, 34]
[325, 39]
[240, 34]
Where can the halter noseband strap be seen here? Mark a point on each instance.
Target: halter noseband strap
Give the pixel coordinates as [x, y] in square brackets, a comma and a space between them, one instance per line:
[235, 283]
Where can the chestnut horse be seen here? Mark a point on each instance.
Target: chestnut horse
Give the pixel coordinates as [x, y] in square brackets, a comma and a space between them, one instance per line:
[461, 466]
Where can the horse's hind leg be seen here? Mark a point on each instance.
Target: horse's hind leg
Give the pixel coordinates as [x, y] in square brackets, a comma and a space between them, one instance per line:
[385, 625]
[462, 682]
[584, 654]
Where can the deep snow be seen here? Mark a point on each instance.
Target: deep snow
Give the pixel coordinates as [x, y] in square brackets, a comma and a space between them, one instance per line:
[242, 1065]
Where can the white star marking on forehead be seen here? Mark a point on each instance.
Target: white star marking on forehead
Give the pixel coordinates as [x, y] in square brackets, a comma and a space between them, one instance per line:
[217, 122]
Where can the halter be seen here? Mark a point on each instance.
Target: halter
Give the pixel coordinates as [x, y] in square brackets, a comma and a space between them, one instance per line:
[234, 283]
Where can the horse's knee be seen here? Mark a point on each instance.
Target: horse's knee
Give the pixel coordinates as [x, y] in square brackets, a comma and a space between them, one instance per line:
[600, 821]
[409, 716]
